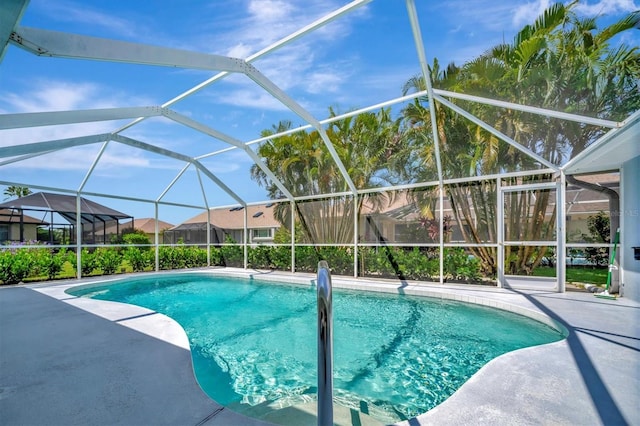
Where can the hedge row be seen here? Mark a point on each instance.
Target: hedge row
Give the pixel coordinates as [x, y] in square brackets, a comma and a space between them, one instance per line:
[18, 264]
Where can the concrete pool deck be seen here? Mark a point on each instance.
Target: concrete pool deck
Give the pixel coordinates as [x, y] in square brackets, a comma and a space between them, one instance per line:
[68, 360]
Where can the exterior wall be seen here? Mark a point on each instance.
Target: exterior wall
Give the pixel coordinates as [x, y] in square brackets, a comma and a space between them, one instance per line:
[30, 232]
[630, 227]
[261, 240]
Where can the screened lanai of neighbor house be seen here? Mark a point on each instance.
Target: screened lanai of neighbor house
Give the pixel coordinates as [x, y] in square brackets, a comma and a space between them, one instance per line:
[502, 162]
[99, 224]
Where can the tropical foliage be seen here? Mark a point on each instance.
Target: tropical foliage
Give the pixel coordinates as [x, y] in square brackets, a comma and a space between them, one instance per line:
[561, 62]
[365, 145]
[16, 191]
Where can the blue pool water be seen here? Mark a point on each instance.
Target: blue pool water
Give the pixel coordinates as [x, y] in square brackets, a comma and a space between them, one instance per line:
[254, 343]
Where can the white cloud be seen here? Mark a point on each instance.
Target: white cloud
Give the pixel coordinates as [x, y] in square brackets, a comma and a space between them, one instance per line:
[229, 162]
[56, 95]
[51, 96]
[267, 21]
[292, 68]
[606, 7]
[270, 11]
[477, 15]
[87, 14]
[257, 99]
[322, 82]
[529, 12]
[60, 95]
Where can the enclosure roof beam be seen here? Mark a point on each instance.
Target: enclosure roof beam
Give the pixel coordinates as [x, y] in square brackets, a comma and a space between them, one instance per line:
[327, 120]
[175, 179]
[96, 194]
[150, 148]
[530, 109]
[54, 145]
[94, 164]
[65, 45]
[52, 118]
[11, 12]
[319, 23]
[171, 154]
[22, 158]
[195, 125]
[424, 68]
[279, 94]
[610, 150]
[495, 132]
[221, 184]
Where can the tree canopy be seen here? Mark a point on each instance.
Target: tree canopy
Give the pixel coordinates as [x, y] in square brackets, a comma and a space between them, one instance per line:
[16, 191]
[561, 62]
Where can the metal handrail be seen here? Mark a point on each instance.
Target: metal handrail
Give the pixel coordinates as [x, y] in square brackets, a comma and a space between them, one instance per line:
[325, 345]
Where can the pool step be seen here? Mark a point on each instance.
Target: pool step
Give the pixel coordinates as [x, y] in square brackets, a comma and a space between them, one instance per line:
[305, 414]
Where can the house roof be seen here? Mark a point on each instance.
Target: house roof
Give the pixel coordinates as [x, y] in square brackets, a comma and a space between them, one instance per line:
[259, 216]
[401, 207]
[65, 206]
[10, 216]
[148, 225]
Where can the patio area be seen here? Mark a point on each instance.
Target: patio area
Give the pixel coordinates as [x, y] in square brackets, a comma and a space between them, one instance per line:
[83, 361]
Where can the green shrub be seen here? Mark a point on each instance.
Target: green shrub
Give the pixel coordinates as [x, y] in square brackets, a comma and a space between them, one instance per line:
[194, 257]
[232, 254]
[89, 262]
[52, 262]
[307, 259]
[259, 257]
[15, 265]
[107, 259]
[181, 256]
[281, 258]
[419, 264]
[138, 259]
[170, 258]
[216, 256]
[137, 238]
[458, 265]
[382, 261]
[340, 259]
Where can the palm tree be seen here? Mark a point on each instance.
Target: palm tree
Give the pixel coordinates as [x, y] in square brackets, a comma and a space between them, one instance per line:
[366, 146]
[560, 62]
[16, 191]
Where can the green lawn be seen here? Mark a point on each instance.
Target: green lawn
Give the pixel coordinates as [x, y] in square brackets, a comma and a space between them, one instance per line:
[586, 275]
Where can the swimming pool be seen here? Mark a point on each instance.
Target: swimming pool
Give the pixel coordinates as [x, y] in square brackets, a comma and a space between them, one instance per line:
[253, 342]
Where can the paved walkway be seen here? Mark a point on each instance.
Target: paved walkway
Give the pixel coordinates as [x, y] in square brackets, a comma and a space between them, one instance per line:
[67, 360]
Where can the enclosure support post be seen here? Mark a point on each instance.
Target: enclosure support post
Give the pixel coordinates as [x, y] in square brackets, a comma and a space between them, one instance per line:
[500, 232]
[157, 248]
[22, 226]
[561, 232]
[245, 236]
[355, 236]
[293, 237]
[441, 230]
[78, 237]
[208, 236]
[325, 345]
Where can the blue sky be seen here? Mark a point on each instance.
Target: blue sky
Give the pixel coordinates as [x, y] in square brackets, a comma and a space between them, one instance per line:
[358, 60]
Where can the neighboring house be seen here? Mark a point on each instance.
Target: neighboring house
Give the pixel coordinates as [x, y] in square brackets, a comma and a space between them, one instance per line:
[62, 211]
[10, 226]
[146, 225]
[398, 221]
[227, 222]
[391, 221]
[584, 203]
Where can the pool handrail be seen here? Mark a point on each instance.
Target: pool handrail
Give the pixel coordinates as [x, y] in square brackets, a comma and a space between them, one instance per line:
[325, 345]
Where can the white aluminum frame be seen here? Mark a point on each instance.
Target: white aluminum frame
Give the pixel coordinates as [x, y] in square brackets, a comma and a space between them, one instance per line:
[63, 45]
